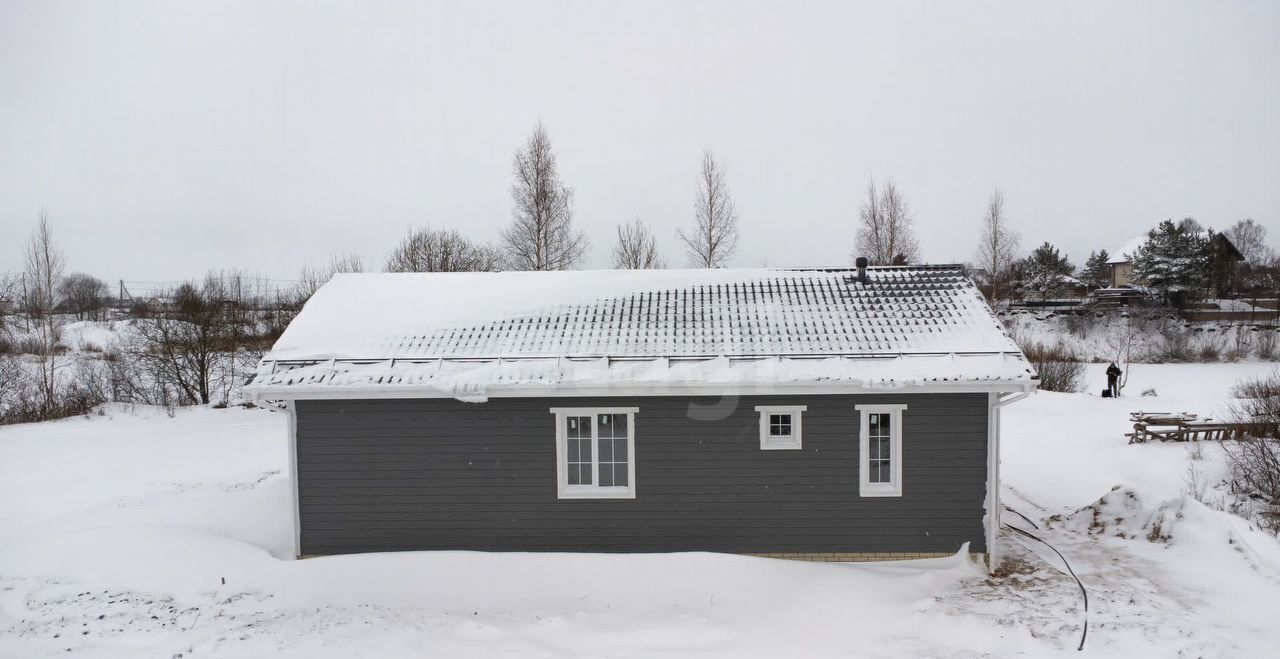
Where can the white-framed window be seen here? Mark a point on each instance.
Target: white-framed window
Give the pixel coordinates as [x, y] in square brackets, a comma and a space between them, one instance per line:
[880, 450]
[780, 426]
[595, 452]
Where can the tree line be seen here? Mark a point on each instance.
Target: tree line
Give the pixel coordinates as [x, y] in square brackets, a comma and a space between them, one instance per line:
[1177, 261]
[543, 234]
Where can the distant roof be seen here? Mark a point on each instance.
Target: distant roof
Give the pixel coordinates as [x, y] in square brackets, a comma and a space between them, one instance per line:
[1125, 253]
[453, 331]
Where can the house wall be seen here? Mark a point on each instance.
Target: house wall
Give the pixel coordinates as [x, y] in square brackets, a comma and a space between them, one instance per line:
[414, 474]
[1121, 274]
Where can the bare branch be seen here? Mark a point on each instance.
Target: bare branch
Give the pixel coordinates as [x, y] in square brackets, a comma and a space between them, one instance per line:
[636, 248]
[714, 237]
[541, 235]
[885, 234]
[998, 248]
[442, 250]
[311, 279]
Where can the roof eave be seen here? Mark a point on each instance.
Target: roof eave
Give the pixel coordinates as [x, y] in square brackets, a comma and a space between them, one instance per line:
[641, 389]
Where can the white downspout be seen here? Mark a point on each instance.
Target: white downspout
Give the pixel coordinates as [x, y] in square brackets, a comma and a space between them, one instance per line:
[994, 403]
[292, 408]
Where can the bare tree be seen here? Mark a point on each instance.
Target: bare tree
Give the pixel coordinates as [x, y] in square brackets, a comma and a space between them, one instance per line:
[1251, 239]
[83, 295]
[714, 237]
[442, 250]
[998, 248]
[10, 301]
[311, 279]
[1123, 343]
[541, 235]
[1254, 457]
[886, 235]
[186, 340]
[636, 248]
[43, 274]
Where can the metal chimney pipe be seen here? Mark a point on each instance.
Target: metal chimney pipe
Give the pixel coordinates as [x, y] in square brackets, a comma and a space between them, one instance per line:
[862, 263]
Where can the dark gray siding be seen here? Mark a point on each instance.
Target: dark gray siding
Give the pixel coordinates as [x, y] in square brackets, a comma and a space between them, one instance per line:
[384, 475]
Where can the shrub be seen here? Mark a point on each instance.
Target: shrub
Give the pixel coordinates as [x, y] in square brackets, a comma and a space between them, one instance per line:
[1177, 344]
[1059, 367]
[1255, 458]
[29, 345]
[1266, 344]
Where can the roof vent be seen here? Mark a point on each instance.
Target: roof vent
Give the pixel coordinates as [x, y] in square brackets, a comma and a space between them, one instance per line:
[862, 262]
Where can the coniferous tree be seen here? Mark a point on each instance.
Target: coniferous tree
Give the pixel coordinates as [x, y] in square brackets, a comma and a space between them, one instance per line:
[1045, 271]
[1174, 262]
[1097, 272]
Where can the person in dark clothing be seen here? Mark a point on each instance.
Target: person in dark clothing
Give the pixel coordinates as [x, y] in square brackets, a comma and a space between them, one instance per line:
[1113, 380]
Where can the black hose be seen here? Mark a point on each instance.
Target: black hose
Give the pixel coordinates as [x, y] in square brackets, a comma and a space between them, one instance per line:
[1033, 524]
[1083, 593]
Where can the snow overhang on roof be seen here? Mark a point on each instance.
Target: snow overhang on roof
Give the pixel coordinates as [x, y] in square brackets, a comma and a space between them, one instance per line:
[472, 335]
[1125, 253]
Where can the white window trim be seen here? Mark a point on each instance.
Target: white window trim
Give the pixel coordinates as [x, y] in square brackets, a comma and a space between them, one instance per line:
[594, 491]
[770, 443]
[865, 487]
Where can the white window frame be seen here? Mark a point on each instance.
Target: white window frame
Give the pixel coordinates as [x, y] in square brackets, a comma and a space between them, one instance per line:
[769, 442]
[594, 491]
[865, 487]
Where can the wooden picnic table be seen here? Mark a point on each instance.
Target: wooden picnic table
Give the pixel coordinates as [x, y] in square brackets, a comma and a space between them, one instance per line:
[1182, 427]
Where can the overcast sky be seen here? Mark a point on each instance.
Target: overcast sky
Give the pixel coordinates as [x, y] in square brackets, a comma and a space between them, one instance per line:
[168, 138]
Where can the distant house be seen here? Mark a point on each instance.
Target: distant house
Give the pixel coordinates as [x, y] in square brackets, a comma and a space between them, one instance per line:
[813, 414]
[1224, 267]
[1121, 262]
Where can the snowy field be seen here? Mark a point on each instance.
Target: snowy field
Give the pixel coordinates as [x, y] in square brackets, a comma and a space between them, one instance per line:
[137, 534]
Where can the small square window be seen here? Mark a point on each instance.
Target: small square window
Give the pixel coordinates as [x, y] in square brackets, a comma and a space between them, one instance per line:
[780, 426]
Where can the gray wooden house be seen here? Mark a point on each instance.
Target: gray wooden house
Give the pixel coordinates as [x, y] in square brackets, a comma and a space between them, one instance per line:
[822, 414]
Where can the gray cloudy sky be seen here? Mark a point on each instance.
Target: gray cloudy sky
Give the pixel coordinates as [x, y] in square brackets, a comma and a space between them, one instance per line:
[167, 138]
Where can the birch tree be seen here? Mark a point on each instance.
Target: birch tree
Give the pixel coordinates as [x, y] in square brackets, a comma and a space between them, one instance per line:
[44, 266]
[636, 248]
[1251, 239]
[714, 237]
[886, 235]
[999, 247]
[541, 235]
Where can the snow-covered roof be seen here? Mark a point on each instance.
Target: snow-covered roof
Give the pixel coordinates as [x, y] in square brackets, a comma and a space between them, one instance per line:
[461, 334]
[1125, 253]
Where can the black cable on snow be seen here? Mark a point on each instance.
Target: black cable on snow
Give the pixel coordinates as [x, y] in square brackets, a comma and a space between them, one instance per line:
[1033, 524]
[1083, 593]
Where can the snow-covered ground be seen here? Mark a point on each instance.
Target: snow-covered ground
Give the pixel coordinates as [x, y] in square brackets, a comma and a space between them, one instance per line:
[139, 534]
[1099, 337]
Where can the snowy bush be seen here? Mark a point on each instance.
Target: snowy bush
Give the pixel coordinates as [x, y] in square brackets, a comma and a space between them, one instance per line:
[1266, 344]
[1255, 458]
[23, 397]
[1059, 367]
